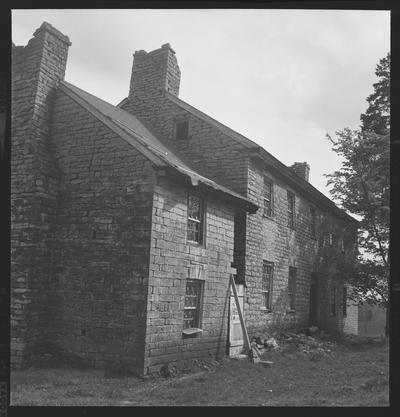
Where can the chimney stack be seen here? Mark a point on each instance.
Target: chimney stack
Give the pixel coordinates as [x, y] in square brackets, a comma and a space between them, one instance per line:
[154, 72]
[302, 169]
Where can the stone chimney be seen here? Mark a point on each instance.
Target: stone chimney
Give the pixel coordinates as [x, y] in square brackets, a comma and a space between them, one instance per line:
[154, 72]
[302, 169]
[36, 70]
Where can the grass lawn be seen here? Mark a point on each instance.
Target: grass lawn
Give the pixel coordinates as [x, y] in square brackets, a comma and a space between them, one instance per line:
[354, 374]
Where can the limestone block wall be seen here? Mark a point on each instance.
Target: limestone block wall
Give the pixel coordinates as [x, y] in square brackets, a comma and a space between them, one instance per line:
[173, 260]
[102, 252]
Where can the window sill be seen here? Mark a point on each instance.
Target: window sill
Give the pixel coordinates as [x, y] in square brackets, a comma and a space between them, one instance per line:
[191, 331]
[291, 311]
[194, 243]
[266, 310]
[265, 216]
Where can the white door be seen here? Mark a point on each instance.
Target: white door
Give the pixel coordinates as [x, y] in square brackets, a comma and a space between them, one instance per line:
[236, 340]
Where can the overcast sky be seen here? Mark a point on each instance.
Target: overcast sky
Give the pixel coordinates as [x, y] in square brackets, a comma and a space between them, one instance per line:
[283, 78]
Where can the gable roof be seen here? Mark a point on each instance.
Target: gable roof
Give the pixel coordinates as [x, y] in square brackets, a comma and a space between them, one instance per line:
[253, 149]
[129, 128]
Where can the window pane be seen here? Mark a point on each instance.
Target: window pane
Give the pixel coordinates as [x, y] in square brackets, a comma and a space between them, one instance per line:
[267, 278]
[312, 221]
[195, 218]
[291, 209]
[192, 304]
[292, 287]
[267, 197]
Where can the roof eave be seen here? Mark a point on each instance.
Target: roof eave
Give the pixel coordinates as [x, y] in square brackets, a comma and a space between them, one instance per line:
[299, 182]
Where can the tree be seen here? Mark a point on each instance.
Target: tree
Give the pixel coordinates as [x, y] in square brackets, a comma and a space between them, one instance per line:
[362, 187]
[377, 116]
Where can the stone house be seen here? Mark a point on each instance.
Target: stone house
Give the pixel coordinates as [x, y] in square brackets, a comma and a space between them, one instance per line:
[128, 221]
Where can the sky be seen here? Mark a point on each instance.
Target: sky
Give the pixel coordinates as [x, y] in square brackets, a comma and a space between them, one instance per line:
[282, 78]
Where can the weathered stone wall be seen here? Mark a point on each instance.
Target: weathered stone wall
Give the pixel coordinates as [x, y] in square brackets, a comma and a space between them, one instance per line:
[101, 257]
[216, 155]
[270, 239]
[36, 70]
[173, 260]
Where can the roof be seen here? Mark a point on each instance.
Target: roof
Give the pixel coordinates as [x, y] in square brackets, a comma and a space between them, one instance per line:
[133, 131]
[254, 149]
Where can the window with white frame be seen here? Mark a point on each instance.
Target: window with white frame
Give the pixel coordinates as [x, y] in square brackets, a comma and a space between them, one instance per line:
[268, 196]
[312, 222]
[192, 307]
[291, 209]
[328, 239]
[292, 287]
[267, 283]
[195, 219]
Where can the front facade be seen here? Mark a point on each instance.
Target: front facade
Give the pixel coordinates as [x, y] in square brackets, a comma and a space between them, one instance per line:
[128, 221]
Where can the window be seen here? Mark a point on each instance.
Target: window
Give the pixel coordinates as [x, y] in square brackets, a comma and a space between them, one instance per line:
[341, 244]
[328, 239]
[181, 130]
[292, 287]
[333, 301]
[344, 301]
[312, 222]
[267, 278]
[195, 219]
[291, 209]
[191, 311]
[268, 197]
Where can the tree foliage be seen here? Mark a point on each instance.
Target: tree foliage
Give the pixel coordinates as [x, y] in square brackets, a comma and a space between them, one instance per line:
[362, 187]
[377, 116]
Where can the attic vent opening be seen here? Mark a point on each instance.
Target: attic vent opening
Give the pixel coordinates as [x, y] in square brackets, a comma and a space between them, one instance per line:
[181, 130]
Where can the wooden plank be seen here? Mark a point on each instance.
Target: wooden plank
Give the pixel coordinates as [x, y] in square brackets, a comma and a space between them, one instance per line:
[241, 318]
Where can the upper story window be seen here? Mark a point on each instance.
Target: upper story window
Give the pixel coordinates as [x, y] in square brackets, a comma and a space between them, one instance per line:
[268, 197]
[291, 209]
[340, 242]
[328, 239]
[195, 219]
[267, 279]
[182, 130]
[312, 222]
[292, 287]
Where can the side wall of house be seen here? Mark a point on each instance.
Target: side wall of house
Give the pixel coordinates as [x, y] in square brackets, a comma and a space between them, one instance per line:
[174, 260]
[271, 239]
[101, 257]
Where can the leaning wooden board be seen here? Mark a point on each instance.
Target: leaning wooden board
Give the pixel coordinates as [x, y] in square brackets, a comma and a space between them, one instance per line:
[241, 318]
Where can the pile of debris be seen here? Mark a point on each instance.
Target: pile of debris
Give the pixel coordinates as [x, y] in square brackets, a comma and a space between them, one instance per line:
[307, 344]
